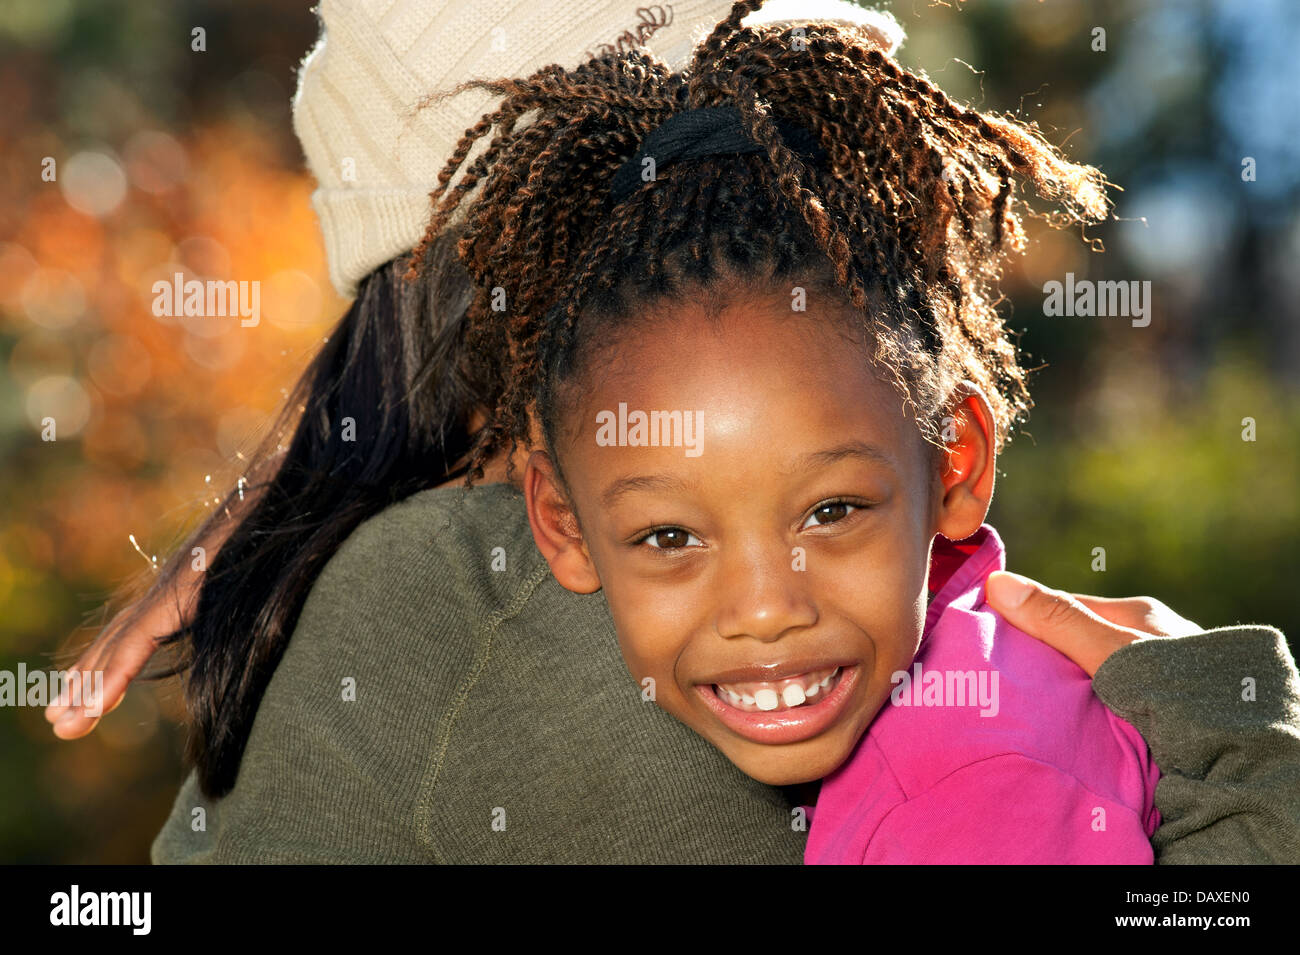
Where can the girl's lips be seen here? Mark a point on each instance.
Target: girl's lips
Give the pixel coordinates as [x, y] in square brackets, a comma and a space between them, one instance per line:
[787, 725]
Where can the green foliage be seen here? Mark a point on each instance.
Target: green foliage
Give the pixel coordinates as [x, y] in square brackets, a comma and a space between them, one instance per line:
[1186, 510]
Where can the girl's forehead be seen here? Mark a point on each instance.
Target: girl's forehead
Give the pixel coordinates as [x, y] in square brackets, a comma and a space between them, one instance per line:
[754, 355]
[749, 341]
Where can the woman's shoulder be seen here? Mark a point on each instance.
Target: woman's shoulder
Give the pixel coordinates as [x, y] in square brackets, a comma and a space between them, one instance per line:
[385, 644]
[442, 520]
[469, 547]
[457, 509]
[407, 595]
[439, 677]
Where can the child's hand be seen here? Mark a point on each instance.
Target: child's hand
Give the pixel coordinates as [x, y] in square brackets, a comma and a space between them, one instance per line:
[1085, 629]
[121, 653]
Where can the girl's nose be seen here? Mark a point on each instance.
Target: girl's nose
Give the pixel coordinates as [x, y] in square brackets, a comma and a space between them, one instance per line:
[762, 597]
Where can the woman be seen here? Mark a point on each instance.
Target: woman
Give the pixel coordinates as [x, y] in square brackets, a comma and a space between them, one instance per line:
[520, 695]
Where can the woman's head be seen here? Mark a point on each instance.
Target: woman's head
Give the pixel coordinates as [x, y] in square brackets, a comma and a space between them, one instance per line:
[745, 306]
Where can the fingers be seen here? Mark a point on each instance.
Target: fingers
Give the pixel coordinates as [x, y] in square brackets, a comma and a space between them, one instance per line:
[98, 681]
[1140, 613]
[88, 662]
[1057, 619]
[95, 701]
[87, 695]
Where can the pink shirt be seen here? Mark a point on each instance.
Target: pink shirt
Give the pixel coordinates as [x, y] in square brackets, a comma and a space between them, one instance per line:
[1002, 753]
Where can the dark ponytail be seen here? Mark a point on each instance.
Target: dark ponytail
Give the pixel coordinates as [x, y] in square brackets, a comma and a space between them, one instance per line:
[396, 367]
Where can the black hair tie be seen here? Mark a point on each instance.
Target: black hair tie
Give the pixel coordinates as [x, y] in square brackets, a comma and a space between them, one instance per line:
[707, 131]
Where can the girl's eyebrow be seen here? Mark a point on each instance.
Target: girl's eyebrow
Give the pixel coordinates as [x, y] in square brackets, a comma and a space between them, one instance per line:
[813, 459]
[641, 482]
[853, 449]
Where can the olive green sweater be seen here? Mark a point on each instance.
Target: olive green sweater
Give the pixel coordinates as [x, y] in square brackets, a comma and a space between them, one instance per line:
[443, 699]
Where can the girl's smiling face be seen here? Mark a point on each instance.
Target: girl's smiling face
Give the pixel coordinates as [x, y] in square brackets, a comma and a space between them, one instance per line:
[772, 579]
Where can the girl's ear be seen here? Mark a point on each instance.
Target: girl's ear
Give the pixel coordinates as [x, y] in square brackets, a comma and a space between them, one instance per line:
[555, 527]
[968, 464]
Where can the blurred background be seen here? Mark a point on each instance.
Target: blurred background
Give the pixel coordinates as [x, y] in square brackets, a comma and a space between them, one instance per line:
[172, 160]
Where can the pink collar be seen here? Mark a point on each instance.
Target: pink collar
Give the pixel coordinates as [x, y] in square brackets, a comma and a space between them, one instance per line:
[958, 569]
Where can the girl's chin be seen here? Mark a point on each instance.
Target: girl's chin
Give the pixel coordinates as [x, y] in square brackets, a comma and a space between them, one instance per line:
[809, 767]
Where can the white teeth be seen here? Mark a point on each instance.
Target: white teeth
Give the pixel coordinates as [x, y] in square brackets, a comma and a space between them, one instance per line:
[775, 695]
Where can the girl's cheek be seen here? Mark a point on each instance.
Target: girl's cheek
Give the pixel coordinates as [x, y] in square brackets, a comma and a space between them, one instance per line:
[650, 635]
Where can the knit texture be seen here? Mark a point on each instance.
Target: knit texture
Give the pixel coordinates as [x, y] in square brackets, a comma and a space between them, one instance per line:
[376, 154]
[1229, 791]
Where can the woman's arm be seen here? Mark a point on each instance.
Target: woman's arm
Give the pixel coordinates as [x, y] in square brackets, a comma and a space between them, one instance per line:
[1220, 710]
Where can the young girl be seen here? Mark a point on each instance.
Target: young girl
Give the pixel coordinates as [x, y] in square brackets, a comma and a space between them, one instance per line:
[752, 309]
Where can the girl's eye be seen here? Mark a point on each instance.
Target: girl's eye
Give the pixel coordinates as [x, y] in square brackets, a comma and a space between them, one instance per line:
[828, 513]
[670, 538]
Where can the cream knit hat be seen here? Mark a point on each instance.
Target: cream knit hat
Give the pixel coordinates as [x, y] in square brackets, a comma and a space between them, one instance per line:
[376, 157]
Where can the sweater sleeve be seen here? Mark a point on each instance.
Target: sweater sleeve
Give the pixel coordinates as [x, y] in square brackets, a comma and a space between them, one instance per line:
[1220, 711]
[1009, 810]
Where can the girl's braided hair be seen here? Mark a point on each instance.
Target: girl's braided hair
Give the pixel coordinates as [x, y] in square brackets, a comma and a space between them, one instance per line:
[911, 216]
